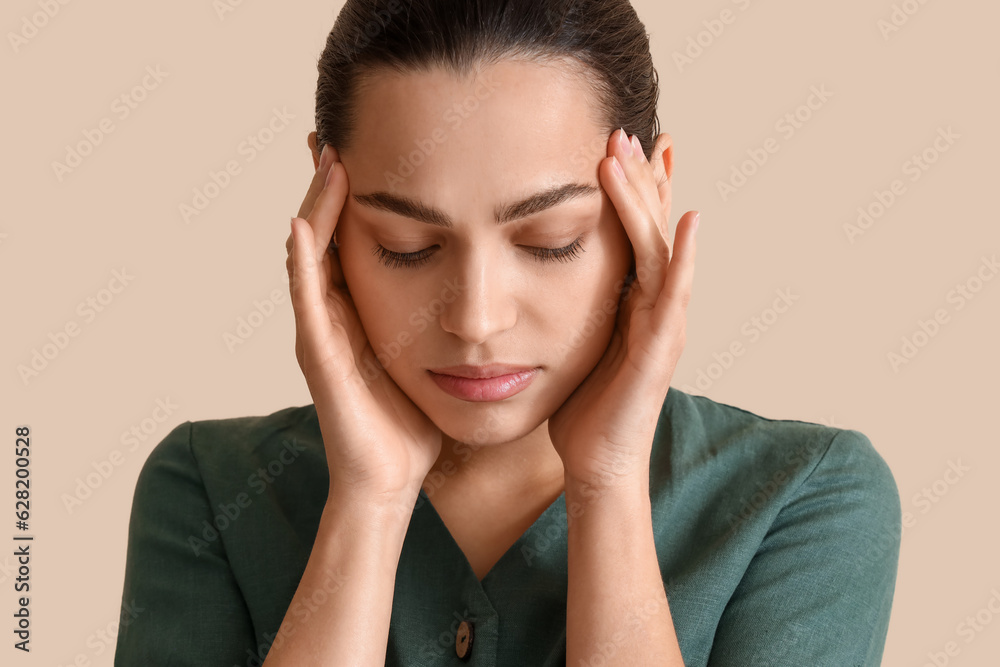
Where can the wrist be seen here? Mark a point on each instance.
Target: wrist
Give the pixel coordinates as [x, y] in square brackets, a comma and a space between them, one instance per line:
[625, 489]
[383, 510]
[620, 472]
[625, 506]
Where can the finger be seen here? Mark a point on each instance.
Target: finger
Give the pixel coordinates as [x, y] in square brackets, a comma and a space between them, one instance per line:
[328, 157]
[652, 254]
[640, 174]
[324, 218]
[680, 277]
[312, 320]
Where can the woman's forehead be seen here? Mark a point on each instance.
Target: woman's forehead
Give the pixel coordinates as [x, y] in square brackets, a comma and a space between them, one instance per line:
[512, 107]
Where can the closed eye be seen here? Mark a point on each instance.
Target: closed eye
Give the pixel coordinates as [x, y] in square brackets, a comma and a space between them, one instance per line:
[397, 260]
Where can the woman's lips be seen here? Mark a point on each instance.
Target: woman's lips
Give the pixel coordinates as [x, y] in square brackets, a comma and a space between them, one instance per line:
[484, 389]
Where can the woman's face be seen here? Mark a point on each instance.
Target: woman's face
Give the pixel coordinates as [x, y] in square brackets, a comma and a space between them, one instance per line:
[439, 281]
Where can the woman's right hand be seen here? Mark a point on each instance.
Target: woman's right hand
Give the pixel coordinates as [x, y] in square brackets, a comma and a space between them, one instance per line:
[379, 444]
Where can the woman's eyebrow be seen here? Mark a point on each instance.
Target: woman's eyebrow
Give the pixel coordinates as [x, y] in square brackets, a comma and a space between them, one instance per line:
[411, 208]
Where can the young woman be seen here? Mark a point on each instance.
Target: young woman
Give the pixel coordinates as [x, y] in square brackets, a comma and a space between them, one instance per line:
[495, 468]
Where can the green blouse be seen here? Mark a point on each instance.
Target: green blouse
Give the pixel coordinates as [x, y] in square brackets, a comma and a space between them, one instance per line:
[778, 542]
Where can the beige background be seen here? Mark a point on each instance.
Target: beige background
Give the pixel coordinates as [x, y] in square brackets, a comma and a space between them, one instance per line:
[825, 359]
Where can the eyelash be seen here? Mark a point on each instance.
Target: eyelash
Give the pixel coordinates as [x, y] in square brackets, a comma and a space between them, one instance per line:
[394, 260]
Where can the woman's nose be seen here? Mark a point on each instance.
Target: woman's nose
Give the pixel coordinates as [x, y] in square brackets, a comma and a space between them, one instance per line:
[485, 305]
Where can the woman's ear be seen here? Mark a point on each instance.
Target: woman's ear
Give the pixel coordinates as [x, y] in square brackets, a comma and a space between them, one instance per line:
[662, 160]
[315, 151]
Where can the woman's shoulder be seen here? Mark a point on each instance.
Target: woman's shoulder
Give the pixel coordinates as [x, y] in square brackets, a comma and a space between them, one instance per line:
[748, 510]
[224, 511]
[247, 453]
[726, 449]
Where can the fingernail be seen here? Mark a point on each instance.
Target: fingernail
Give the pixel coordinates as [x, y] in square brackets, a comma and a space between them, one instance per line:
[697, 221]
[324, 157]
[329, 175]
[618, 168]
[637, 146]
[623, 140]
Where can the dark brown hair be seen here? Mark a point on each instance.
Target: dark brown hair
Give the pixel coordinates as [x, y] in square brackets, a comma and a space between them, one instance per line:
[463, 36]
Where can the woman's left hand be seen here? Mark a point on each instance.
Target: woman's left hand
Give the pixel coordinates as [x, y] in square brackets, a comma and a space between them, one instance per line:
[604, 431]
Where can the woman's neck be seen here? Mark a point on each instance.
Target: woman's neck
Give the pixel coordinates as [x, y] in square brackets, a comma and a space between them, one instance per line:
[527, 465]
